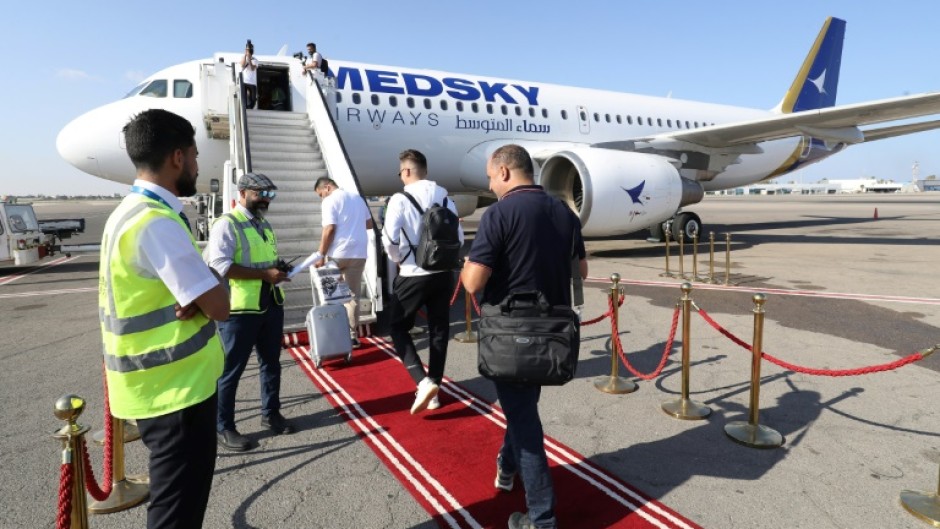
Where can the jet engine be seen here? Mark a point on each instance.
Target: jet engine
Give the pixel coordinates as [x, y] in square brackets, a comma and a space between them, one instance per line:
[616, 192]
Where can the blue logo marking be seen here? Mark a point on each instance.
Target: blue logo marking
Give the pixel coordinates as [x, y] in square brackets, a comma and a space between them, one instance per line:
[635, 192]
[420, 85]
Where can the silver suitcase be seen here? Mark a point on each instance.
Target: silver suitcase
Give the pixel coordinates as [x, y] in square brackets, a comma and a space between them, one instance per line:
[328, 330]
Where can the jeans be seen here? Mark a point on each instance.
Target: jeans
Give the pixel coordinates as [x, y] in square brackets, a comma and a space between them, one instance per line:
[182, 461]
[410, 293]
[240, 333]
[523, 450]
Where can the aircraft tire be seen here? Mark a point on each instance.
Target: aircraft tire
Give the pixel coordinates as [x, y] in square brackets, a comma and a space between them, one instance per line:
[689, 224]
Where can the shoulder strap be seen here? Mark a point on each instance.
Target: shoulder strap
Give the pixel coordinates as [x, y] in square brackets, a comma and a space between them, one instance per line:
[411, 246]
[414, 202]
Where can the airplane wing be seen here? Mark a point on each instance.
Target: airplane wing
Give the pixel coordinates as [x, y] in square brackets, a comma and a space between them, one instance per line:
[838, 124]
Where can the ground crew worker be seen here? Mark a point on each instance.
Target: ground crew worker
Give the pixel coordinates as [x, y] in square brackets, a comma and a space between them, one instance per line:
[243, 248]
[156, 303]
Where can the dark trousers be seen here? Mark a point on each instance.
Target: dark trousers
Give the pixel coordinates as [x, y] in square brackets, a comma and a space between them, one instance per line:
[240, 334]
[182, 448]
[409, 294]
[523, 450]
[251, 95]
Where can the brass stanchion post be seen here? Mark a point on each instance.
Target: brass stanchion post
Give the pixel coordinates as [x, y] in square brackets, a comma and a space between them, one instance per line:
[695, 256]
[124, 494]
[668, 273]
[614, 383]
[727, 258]
[469, 336]
[711, 257]
[681, 242]
[683, 407]
[924, 505]
[750, 433]
[68, 408]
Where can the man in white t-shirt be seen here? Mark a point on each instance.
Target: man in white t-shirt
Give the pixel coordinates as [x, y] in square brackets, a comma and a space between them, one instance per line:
[250, 75]
[345, 219]
[313, 61]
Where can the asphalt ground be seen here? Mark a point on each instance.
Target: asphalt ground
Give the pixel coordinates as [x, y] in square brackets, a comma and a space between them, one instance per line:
[851, 443]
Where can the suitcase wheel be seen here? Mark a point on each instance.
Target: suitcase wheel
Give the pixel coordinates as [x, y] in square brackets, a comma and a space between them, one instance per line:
[319, 363]
[349, 358]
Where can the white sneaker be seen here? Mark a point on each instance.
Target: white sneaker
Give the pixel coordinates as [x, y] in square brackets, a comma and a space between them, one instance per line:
[427, 390]
[434, 403]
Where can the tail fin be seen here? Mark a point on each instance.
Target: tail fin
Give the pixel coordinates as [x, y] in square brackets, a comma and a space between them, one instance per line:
[816, 83]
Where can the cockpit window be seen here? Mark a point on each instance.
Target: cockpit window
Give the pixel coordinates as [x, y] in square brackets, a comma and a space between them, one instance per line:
[182, 88]
[136, 90]
[155, 89]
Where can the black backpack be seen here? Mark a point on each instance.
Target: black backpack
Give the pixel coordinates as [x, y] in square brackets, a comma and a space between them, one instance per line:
[325, 67]
[438, 245]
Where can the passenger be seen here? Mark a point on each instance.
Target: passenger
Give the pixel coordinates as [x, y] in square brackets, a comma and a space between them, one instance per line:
[523, 243]
[250, 75]
[278, 97]
[157, 300]
[312, 66]
[345, 219]
[415, 287]
[243, 249]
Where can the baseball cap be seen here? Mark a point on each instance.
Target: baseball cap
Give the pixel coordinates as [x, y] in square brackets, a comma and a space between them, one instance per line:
[255, 181]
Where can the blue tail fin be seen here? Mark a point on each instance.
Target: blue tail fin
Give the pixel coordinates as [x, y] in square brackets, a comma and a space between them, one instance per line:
[818, 79]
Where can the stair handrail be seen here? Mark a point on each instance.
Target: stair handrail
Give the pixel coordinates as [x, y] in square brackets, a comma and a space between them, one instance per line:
[238, 116]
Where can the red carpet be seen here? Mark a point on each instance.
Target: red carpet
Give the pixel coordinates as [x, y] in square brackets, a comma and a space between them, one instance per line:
[447, 458]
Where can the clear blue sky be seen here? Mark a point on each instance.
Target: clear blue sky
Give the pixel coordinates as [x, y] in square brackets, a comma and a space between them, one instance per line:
[63, 59]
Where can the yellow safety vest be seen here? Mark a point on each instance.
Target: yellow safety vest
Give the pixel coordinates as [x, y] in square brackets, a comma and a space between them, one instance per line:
[155, 363]
[251, 251]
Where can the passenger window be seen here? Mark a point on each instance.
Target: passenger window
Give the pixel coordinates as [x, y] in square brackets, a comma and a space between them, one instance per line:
[375, 100]
[443, 105]
[564, 114]
[459, 105]
[597, 117]
[339, 97]
[545, 113]
[474, 107]
[531, 112]
[649, 121]
[489, 108]
[629, 120]
[427, 103]
[695, 123]
[686, 124]
[155, 89]
[504, 110]
[393, 101]
[411, 102]
[619, 120]
[518, 111]
[583, 116]
[669, 123]
[182, 88]
[659, 122]
[357, 98]
[607, 118]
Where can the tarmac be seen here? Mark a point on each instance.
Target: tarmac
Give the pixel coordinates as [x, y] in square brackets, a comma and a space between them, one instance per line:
[844, 290]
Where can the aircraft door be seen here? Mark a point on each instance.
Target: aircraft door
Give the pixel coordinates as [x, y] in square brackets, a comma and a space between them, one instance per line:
[583, 122]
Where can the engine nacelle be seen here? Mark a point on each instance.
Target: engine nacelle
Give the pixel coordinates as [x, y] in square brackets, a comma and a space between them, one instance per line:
[617, 192]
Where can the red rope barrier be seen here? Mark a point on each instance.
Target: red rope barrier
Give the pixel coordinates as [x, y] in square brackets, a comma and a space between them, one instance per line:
[604, 315]
[618, 347]
[98, 492]
[453, 299]
[64, 515]
[813, 371]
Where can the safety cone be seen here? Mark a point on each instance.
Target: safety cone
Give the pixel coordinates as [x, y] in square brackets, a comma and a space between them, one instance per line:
[876, 214]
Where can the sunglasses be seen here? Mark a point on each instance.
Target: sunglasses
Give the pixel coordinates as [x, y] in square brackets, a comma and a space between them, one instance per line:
[267, 193]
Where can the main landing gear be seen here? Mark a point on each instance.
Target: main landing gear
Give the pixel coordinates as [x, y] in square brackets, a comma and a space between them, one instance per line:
[686, 223]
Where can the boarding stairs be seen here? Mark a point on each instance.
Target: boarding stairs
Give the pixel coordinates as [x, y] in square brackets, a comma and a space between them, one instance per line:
[288, 147]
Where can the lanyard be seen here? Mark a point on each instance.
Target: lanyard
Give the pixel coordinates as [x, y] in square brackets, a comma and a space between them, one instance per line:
[153, 196]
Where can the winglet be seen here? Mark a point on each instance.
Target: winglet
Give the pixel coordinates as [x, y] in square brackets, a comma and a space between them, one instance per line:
[816, 83]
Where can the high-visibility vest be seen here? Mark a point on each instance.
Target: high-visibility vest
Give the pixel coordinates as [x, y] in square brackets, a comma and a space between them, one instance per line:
[155, 363]
[251, 251]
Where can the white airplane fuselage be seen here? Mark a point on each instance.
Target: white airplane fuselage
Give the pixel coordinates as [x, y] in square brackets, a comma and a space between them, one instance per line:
[456, 120]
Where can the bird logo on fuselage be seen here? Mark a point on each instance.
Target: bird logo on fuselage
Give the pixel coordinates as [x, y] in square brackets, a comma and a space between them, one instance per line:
[635, 192]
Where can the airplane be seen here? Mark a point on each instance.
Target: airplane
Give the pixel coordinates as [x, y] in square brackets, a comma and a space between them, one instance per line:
[623, 162]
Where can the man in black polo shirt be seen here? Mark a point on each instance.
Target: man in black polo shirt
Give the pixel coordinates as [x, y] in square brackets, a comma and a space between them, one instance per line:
[524, 242]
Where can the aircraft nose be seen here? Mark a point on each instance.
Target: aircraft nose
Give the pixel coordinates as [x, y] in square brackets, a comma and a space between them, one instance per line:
[77, 144]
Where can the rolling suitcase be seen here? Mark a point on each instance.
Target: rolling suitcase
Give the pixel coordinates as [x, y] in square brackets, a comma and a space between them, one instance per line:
[328, 329]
